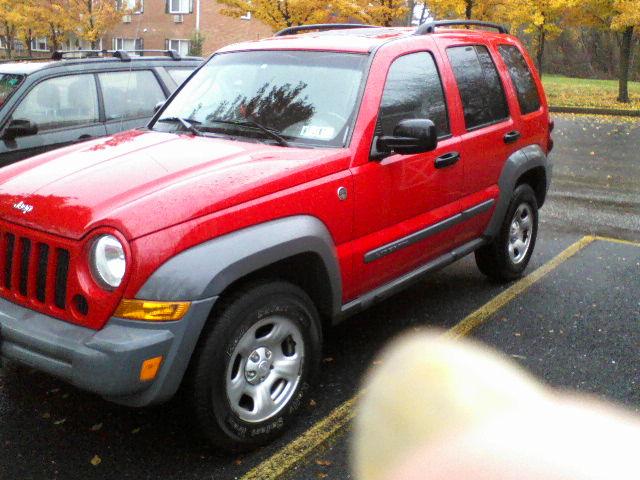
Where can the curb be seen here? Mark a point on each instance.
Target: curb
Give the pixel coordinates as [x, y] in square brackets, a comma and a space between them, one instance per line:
[595, 111]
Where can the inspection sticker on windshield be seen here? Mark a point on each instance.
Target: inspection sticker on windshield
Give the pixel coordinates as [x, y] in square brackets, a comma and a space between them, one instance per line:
[319, 133]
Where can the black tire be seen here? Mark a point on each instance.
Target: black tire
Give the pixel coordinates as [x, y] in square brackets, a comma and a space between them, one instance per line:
[494, 259]
[206, 382]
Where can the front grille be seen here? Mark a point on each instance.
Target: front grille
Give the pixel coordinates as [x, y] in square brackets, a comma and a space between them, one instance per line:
[31, 272]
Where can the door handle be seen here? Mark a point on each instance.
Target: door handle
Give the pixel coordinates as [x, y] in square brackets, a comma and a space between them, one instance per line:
[447, 159]
[511, 136]
[84, 137]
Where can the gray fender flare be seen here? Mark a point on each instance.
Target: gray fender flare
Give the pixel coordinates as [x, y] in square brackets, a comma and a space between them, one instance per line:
[205, 270]
[516, 165]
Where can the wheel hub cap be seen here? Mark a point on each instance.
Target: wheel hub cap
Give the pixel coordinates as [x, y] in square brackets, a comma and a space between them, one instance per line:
[265, 369]
[258, 365]
[520, 233]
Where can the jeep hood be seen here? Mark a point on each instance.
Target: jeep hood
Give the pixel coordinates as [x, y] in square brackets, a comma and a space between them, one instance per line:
[142, 181]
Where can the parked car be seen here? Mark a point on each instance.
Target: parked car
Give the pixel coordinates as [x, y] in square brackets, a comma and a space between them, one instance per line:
[81, 95]
[290, 183]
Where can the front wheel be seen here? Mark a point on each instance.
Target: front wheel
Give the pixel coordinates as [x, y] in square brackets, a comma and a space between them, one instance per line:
[254, 363]
[507, 256]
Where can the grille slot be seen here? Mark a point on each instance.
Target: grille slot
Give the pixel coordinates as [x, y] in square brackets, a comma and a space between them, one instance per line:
[41, 275]
[10, 240]
[25, 252]
[62, 269]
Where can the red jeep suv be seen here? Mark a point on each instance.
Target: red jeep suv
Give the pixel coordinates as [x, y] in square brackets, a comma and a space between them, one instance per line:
[290, 183]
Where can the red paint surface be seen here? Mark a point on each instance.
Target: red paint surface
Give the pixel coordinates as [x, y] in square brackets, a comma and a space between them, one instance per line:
[162, 193]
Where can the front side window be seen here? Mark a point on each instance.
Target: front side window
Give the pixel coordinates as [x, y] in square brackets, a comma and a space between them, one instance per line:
[306, 97]
[479, 84]
[522, 78]
[60, 102]
[130, 94]
[9, 82]
[413, 90]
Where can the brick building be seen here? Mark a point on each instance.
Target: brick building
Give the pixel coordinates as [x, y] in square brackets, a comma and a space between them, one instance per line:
[162, 24]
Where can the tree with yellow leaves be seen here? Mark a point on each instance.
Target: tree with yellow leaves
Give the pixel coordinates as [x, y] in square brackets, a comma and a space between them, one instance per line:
[543, 19]
[622, 17]
[469, 9]
[382, 12]
[91, 19]
[279, 14]
[11, 19]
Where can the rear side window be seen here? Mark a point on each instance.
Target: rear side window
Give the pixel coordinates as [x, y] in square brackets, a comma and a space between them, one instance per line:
[60, 102]
[522, 79]
[131, 94]
[179, 75]
[482, 94]
[413, 90]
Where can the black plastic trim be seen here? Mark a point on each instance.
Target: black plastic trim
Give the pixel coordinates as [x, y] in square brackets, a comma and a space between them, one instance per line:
[427, 232]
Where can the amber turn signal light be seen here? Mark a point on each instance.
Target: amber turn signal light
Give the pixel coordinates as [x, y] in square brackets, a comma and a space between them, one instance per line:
[150, 368]
[151, 311]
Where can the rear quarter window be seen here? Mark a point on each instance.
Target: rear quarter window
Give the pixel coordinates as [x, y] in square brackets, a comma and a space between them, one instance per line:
[481, 91]
[522, 78]
[179, 75]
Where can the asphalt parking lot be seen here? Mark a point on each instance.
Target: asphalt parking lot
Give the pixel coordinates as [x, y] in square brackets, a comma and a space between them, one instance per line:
[583, 336]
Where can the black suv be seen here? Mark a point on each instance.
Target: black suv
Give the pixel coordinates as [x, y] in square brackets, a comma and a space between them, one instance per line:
[80, 95]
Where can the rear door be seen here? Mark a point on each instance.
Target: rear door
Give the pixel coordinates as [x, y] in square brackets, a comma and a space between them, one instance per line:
[491, 133]
[65, 109]
[533, 115]
[129, 98]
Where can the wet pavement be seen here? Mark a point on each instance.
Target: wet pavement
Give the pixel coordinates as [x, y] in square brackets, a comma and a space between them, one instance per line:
[582, 338]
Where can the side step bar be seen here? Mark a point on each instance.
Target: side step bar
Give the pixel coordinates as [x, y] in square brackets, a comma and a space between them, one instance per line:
[388, 289]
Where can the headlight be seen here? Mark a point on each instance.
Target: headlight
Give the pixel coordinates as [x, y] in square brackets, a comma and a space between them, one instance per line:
[107, 261]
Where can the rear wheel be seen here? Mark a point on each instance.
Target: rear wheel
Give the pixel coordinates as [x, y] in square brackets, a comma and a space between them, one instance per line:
[254, 364]
[508, 255]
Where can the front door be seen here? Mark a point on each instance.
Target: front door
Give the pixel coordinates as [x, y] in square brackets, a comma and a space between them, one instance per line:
[403, 200]
[65, 110]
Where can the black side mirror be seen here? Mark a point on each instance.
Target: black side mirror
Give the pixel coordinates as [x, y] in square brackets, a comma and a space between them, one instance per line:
[20, 128]
[415, 135]
[158, 106]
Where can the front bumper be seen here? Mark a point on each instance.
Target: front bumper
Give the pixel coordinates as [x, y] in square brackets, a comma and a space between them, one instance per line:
[107, 361]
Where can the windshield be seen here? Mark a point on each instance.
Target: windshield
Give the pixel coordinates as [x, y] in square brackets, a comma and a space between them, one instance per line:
[305, 97]
[8, 84]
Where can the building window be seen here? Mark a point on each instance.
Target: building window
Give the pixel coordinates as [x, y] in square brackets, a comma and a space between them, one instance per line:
[180, 46]
[246, 16]
[179, 6]
[39, 44]
[127, 44]
[136, 6]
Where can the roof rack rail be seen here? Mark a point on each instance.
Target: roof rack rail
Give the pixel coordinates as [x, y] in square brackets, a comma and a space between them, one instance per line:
[321, 26]
[430, 27]
[121, 54]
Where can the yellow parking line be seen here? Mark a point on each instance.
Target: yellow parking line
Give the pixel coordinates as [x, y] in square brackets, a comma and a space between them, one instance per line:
[617, 240]
[296, 451]
[300, 448]
[477, 318]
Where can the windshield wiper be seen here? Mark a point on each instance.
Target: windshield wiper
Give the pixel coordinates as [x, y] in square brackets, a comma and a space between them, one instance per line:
[187, 124]
[252, 123]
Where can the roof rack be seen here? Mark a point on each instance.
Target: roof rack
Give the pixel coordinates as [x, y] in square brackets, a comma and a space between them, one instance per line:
[430, 27]
[321, 26]
[121, 54]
